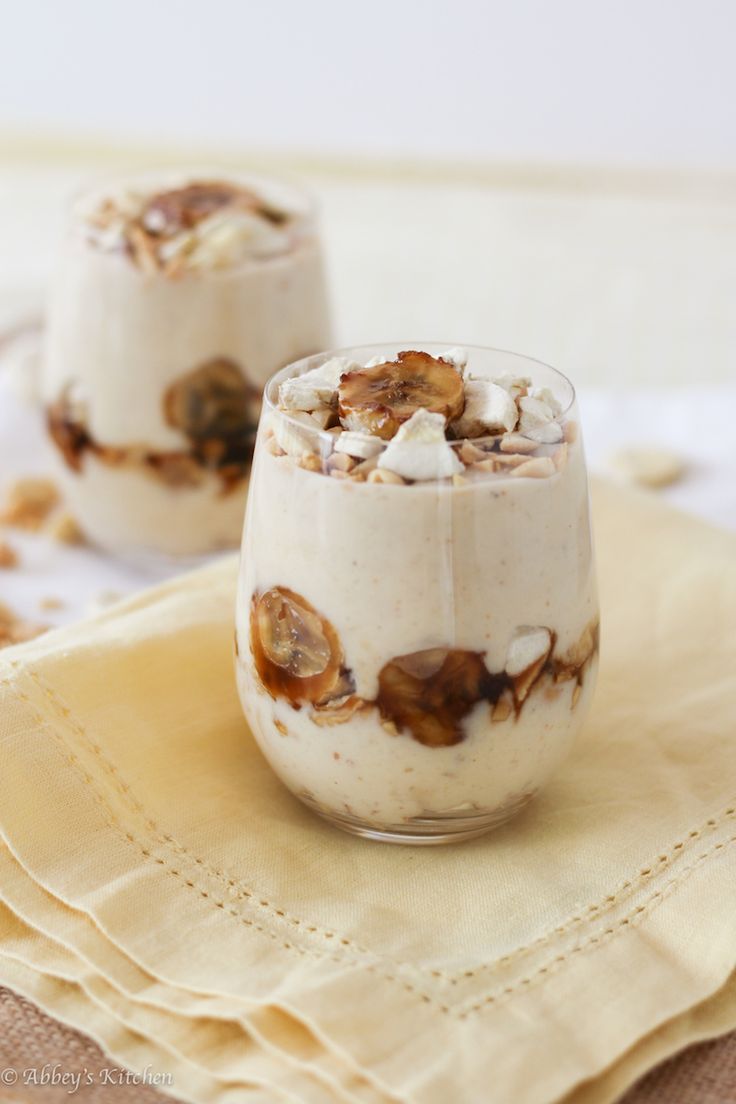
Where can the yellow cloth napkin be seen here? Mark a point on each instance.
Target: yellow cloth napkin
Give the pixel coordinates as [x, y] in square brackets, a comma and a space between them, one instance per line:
[164, 893]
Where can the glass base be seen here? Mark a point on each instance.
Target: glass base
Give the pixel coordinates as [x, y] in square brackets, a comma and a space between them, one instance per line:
[428, 831]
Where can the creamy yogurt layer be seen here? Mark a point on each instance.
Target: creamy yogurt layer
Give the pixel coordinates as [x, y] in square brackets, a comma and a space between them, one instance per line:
[417, 621]
[177, 298]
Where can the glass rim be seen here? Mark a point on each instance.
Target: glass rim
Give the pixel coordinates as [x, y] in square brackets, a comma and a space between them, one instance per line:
[433, 347]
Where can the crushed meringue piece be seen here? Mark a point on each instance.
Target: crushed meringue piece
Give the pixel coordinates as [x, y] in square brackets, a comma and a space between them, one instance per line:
[361, 445]
[488, 409]
[419, 450]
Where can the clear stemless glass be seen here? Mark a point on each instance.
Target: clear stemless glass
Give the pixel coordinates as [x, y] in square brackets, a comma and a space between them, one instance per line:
[178, 295]
[415, 658]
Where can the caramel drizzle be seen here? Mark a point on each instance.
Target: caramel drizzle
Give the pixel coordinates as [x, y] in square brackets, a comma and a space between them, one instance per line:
[228, 455]
[427, 694]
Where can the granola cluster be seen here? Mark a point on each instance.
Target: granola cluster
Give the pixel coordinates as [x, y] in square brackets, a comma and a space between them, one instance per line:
[202, 225]
[428, 694]
[418, 418]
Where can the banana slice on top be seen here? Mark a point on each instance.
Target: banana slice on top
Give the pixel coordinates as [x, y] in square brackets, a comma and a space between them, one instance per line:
[380, 399]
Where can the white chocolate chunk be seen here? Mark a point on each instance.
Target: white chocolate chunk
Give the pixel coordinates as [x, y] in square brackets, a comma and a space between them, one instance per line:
[529, 645]
[488, 409]
[549, 433]
[548, 398]
[537, 420]
[515, 385]
[361, 445]
[334, 369]
[295, 441]
[534, 411]
[419, 451]
[316, 387]
[306, 392]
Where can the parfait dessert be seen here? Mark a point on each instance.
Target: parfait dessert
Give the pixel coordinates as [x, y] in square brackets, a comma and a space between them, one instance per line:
[417, 622]
[177, 298]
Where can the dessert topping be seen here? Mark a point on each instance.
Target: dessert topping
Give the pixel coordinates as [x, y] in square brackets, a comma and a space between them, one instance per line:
[380, 399]
[201, 225]
[315, 388]
[421, 417]
[420, 450]
[488, 409]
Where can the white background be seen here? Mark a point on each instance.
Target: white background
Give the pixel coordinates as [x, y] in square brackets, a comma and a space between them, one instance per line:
[645, 82]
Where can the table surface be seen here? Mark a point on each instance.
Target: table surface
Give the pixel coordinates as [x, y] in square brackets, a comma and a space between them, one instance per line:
[627, 286]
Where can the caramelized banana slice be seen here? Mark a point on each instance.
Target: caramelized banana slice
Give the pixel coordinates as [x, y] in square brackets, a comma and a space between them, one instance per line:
[213, 400]
[431, 692]
[378, 400]
[297, 653]
[182, 208]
